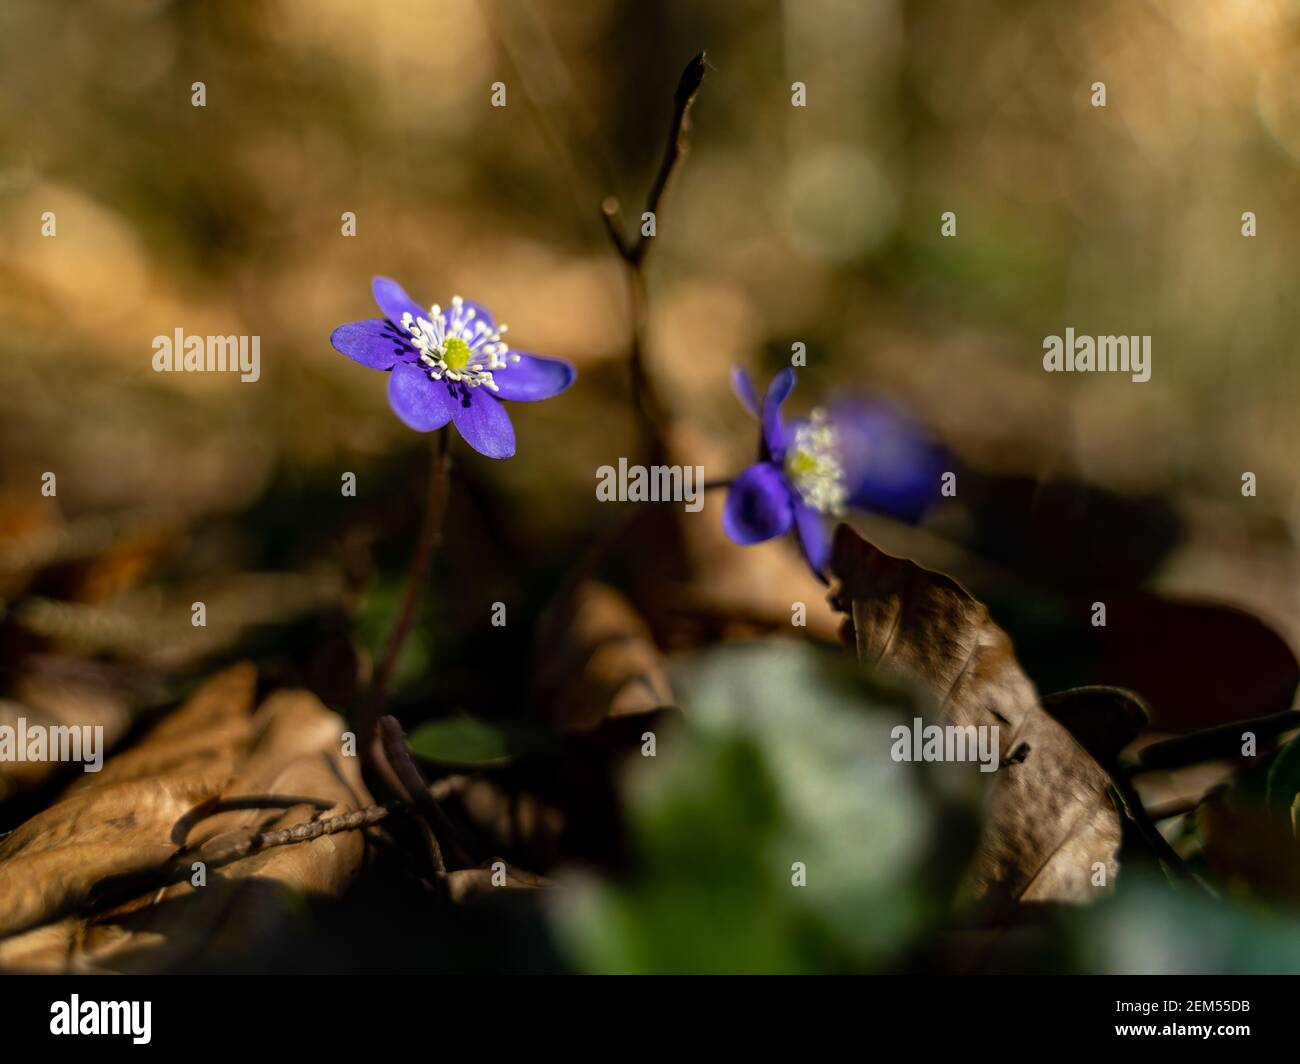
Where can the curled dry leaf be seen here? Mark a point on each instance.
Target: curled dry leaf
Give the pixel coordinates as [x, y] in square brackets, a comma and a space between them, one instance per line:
[476, 886]
[1050, 820]
[1103, 720]
[600, 662]
[81, 880]
[49, 703]
[510, 821]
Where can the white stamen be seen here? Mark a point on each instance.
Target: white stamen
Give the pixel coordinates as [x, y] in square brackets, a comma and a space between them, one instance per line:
[812, 464]
[487, 353]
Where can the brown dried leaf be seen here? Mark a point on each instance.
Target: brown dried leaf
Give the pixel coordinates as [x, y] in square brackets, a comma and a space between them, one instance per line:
[471, 886]
[1102, 719]
[49, 703]
[1050, 818]
[280, 766]
[509, 821]
[50, 864]
[601, 662]
[209, 732]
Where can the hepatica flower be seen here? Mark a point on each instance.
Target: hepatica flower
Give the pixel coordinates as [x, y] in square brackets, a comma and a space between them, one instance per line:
[852, 453]
[450, 365]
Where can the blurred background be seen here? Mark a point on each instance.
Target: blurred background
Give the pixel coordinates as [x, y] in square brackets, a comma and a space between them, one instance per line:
[818, 225]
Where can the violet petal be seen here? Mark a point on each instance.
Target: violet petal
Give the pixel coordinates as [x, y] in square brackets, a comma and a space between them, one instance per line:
[533, 378]
[483, 422]
[758, 505]
[375, 343]
[423, 404]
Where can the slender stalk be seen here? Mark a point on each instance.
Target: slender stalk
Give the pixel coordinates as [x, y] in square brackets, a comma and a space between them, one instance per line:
[688, 86]
[426, 805]
[1131, 802]
[650, 409]
[417, 577]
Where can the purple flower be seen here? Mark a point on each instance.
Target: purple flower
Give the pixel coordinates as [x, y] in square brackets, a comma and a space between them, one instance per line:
[450, 365]
[852, 453]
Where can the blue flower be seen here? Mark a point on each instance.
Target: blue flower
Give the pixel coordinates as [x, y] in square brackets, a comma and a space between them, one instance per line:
[450, 365]
[852, 453]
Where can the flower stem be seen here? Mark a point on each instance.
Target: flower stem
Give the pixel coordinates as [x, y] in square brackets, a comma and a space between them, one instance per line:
[435, 506]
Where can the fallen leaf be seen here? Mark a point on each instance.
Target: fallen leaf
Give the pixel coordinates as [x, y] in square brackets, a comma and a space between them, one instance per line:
[1050, 819]
[1103, 720]
[516, 822]
[50, 864]
[469, 886]
[208, 733]
[599, 661]
[48, 703]
[211, 773]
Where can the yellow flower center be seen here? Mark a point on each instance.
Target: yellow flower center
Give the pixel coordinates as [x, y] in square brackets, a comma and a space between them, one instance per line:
[457, 346]
[455, 353]
[800, 464]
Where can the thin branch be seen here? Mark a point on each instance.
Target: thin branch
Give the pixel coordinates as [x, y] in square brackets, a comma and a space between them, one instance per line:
[305, 832]
[1131, 802]
[114, 889]
[688, 87]
[213, 806]
[649, 408]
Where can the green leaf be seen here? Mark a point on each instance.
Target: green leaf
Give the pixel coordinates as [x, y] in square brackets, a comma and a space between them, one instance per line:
[461, 740]
[773, 832]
